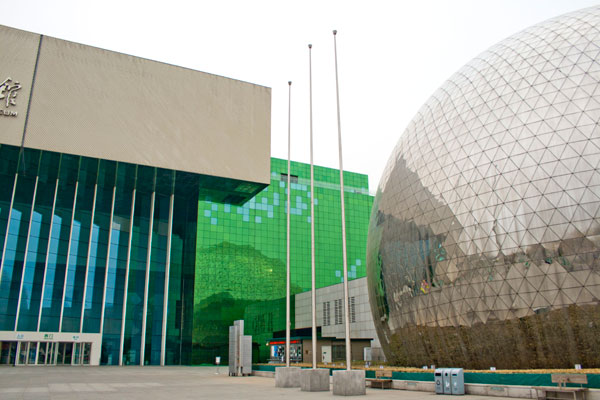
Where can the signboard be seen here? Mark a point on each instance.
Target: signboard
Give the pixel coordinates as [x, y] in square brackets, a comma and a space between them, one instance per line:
[9, 89]
[283, 342]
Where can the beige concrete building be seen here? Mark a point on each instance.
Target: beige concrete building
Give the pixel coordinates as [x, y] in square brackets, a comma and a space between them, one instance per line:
[79, 99]
[104, 158]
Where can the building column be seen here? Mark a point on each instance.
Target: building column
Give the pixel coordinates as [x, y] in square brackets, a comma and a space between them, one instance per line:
[47, 254]
[62, 304]
[147, 279]
[23, 270]
[18, 352]
[87, 262]
[131, 216]
[12, 202]
[110, 229]
[163, 335]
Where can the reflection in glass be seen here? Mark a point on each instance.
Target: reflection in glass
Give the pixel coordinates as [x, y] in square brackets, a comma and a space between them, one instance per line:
[32, 352]
[226, 256]
[37, 246]
[23, 351]
[16, 240]
[484, 240]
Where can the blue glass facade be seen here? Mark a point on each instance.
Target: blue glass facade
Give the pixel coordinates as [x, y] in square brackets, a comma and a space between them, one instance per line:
[70, 226]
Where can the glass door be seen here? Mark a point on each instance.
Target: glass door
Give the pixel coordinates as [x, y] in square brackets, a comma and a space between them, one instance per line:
[32, 352]
[8, 353]
[68, 353]
[5, 353]
[42, 352]
[60, 353]
[87, 349]
[76, 353]
[23, 349]
[45, 353]
[51, 358]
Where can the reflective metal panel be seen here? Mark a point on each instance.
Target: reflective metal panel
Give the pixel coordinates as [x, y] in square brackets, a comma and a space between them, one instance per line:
[484, 240]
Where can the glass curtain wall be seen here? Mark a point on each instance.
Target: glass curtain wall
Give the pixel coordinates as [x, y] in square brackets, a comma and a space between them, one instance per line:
[97, 257]
[39, 231]
[98, 246]
[158, 264]
[117, 264]
[56, 258]
[16, 234]
[85, 249]
[78, 249]
[241, 253]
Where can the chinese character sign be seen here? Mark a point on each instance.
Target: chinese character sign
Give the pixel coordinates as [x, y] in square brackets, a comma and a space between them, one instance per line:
[8, 91]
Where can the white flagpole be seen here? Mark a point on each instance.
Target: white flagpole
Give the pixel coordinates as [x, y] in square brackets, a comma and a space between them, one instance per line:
[346, 302]
[289, 193]
[312, 221]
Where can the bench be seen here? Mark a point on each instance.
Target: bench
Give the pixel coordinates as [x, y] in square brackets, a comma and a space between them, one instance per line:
[562, 391]
[383, 380]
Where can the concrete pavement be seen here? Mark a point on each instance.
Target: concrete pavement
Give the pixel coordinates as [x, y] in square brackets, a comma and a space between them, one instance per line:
[169, 383]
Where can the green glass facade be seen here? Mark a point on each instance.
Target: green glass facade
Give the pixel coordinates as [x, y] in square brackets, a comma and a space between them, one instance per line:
[161, 262]
[241, 253]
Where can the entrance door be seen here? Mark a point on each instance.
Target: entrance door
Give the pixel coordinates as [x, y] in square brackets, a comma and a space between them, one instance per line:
[42, 352]
[87, 349]
[76, 354]
[32, 352]
[60, 354]
[68, 353]
[22, 349]
[51, 355]
[45, 353]
[8, 353]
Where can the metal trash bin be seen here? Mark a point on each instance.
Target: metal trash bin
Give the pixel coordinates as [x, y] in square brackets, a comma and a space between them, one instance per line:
[446, 380]
[457, 381]
[439, 381]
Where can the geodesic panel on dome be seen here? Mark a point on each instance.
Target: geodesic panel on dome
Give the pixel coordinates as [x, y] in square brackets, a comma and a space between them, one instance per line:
[484, 242]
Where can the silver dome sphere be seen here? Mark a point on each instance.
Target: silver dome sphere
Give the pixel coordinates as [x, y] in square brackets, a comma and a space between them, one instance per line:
[484, 240]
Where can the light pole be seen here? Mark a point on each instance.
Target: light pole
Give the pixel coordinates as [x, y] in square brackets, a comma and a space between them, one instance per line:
[344, 257]
[349, 382]
[289, 193]
[312, 222]
[288, 376]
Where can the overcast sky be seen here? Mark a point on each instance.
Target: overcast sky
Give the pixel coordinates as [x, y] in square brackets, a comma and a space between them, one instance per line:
[392, 55]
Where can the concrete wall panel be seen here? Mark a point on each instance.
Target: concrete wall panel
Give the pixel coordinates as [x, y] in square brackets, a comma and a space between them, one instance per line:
[19, 51]
[114, 106]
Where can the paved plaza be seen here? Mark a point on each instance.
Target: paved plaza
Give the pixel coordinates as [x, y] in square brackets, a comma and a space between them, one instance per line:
[149, 383]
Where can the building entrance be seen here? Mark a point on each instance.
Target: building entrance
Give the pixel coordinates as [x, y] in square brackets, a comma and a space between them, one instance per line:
[45, 353]
[8, 353]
